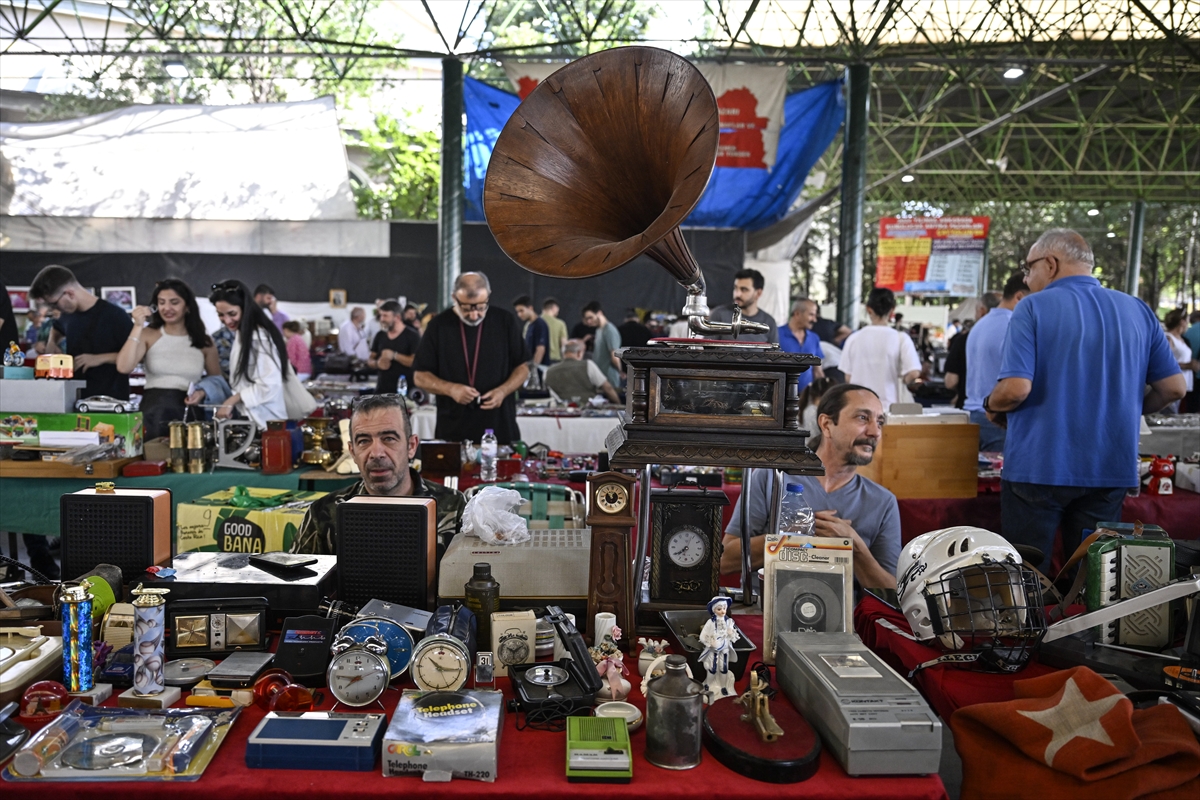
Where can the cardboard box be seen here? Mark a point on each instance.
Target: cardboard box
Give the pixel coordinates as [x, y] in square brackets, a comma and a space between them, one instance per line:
[927, 460]
[209, 525]
[449, 732]
[815, 572]
[514, 639]
[125, 429]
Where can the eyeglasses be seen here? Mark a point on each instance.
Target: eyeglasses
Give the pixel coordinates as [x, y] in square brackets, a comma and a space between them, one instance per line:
[469, 307]
[1028, 266]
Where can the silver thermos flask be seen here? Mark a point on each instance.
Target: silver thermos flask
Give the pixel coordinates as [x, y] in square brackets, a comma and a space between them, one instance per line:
[674, 718]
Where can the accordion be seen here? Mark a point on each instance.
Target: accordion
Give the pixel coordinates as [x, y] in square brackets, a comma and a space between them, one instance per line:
[1126, 562]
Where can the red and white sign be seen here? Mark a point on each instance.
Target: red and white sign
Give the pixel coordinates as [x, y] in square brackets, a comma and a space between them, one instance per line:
[924, 255]
[749, 100]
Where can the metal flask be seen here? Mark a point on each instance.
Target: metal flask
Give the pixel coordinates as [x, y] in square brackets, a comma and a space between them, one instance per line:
[674, 716]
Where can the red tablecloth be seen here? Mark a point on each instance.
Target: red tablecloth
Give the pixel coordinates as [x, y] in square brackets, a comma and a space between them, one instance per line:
[947, 688]
[531, 765]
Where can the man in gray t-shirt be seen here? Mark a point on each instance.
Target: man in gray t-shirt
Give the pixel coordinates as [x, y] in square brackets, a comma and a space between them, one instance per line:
[846, 504]
[747, 289]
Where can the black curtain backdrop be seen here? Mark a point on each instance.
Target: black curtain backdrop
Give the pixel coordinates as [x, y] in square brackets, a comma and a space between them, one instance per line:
[411, 271]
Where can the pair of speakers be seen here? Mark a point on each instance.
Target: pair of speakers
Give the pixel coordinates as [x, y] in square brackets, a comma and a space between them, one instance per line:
[387, 546]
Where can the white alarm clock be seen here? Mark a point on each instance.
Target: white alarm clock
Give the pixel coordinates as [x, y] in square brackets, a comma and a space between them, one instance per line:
[440, 662]
[359, 672]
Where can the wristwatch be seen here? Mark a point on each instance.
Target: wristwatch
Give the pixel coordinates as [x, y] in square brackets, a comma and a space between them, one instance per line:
[988, 408]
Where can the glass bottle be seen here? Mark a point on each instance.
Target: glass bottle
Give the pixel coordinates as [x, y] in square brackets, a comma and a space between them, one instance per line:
[482, 594]
[674, 716]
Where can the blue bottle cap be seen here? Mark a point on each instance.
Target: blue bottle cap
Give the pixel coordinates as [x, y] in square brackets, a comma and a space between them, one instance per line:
[796, 487]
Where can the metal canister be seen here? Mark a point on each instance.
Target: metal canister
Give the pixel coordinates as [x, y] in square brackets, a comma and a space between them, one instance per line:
[76, 602]
[196, 448]
[674, 718]
[149, 625]
[177, 440]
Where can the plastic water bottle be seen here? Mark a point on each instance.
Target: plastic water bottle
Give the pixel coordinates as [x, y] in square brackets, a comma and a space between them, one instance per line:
[487, 457]
[796, 516]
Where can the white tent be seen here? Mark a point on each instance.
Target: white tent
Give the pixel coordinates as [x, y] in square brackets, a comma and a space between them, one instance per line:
[281, 161]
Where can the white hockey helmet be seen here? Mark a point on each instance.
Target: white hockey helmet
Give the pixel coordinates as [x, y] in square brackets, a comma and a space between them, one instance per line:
[967, 587]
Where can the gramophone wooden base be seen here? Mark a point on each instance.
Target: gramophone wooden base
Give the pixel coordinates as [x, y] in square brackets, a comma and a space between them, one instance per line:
[633, 446]
[791, 758]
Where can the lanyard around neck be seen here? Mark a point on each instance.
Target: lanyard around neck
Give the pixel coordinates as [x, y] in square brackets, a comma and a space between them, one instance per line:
[472, 364]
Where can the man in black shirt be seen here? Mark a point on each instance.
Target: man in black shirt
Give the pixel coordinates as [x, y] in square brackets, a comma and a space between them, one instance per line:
[473, 358]
[633, 332]
[393, 350]
[94, 329]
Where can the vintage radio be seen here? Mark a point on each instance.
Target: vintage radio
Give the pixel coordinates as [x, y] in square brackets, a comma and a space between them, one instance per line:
[1121, 564]
[216, 628]
[128, 528]
[387, 550]
[550, 568]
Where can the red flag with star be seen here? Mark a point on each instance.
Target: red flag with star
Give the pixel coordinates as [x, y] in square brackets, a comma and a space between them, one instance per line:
[1072, 734]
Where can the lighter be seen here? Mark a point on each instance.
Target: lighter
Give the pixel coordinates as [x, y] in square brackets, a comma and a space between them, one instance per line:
[76, 602]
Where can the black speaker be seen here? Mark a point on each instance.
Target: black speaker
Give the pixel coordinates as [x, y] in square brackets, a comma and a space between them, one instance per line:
[387, 550]
[129, 528]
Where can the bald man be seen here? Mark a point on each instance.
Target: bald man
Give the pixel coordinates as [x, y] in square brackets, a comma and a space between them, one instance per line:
[473, 358]
[1071, 391]
[352, 335]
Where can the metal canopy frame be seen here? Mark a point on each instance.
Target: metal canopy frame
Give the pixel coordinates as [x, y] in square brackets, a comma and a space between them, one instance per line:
[1130, 131]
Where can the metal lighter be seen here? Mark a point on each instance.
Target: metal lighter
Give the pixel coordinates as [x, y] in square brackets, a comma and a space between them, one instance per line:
[150, 616]
[76, 602]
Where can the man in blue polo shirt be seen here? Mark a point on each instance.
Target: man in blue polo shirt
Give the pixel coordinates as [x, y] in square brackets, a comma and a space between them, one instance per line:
[1073, 372]
[798, 337]
[983, 361]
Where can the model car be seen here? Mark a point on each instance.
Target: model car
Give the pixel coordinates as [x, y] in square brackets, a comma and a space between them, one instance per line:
[101, 402]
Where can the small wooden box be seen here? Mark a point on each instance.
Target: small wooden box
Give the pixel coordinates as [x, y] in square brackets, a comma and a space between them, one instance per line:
[927, 461]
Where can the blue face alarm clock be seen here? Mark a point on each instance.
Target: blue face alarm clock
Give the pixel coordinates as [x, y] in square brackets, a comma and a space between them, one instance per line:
[399, 641]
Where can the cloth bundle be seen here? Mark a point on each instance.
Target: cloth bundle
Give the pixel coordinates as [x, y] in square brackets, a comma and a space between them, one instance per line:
[1072, 734]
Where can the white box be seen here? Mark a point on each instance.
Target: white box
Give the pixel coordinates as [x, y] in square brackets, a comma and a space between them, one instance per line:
[44, 396]
[514, 639]
[448, 732]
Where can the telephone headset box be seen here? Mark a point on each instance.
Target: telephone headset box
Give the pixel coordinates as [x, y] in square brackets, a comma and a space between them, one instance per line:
[808, 585]
[209, 524]
[387, 550]
[128, 528]
[455, 733]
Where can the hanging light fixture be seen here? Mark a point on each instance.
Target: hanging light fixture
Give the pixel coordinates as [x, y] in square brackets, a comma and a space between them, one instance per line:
[1012, 73]
[175, 68]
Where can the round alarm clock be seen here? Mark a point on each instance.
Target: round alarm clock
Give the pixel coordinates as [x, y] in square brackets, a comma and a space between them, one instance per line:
[398, 640]
[687, 546]
[440, 662]
[359, 672]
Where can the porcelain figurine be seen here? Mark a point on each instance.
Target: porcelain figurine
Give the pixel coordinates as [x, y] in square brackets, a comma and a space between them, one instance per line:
[718, 636]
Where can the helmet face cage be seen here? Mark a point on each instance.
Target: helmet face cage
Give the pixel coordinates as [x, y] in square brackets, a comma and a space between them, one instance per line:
[993, 608]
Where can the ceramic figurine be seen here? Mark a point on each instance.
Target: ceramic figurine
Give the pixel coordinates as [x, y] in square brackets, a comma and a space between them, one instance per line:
[610, 663]
[718, 636]
[651, 649]
[13, 357]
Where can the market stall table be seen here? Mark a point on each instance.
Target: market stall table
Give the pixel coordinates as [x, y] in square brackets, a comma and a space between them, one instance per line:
[566, 434]
[531, 764]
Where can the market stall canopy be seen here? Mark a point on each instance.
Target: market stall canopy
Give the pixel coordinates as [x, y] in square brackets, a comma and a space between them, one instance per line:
[279, 161]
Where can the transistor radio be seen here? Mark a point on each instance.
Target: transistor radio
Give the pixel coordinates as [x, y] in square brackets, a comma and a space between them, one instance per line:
[128, 528]
[1122, 564]
[387, 550]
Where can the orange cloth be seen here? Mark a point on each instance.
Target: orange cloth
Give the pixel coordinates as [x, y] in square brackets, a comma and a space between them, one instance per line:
[1072, 734]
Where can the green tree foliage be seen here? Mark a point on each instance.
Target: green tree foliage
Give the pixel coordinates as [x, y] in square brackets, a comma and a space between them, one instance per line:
[229, 47]
[405, 171]
[568, 27]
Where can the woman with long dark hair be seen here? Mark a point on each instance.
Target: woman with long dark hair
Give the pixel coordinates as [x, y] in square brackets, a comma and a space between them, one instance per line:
[258, 362]
[169, 340]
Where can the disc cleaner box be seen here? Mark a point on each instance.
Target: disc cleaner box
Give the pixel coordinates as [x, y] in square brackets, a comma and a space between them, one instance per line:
[456, 733]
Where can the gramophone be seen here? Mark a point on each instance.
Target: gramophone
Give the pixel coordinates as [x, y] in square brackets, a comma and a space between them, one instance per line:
[599, 164]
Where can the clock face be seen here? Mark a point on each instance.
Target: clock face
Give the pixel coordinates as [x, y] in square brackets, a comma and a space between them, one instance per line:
[612, 498]
[399, 640]
[440, 664]
[686, 547]
[358, 677]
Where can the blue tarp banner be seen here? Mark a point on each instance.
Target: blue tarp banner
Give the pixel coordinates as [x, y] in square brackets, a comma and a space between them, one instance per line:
[736, 197]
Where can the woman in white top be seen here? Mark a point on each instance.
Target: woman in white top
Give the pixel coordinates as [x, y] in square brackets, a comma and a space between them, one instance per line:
[169, 340]
[879, 356]
[258, 362]
[1176, 323]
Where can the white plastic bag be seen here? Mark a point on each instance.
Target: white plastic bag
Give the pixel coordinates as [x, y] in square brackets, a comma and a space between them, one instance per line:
[491, 516]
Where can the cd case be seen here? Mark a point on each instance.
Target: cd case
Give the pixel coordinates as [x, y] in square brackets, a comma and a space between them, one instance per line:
[122, 744]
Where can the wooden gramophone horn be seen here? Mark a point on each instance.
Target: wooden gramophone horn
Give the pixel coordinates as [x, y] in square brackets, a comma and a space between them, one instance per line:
[601, 162]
